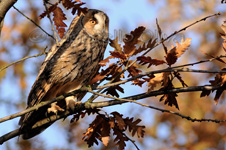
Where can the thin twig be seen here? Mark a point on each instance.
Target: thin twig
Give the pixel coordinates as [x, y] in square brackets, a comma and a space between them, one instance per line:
[33, 22]
[199, 62]
[150, 94]
[5, 67]
[48, 15]
[183, 29]
[159, 71]
[159, 109]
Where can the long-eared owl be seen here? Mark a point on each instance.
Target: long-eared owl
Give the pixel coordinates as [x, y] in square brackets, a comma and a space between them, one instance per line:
[68, 66]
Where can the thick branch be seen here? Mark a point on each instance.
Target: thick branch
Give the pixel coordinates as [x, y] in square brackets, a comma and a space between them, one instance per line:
[153, 93]
[5, 5]
[88, 105]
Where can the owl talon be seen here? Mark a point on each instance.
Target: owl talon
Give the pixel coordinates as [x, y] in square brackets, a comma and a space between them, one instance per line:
[54, 108]
[71, 102]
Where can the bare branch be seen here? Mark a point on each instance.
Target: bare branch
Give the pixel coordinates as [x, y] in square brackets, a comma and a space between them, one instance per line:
[159, 109]
[48, 15]
[153, 93]
[5, 67]
[5, 5]
[183, 29]
[199, 62]
[33, 22]
[88, 105]
[159, 71]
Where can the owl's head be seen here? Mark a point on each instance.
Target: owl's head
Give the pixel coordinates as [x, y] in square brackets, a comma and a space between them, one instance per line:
[96, 24]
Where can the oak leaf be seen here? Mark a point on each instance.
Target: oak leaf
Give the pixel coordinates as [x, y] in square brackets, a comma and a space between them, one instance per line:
[134, 127]
[177, 51]
[148, 60]
[131, 40]
[178, 76]
[50, 9]
[119, 55]
[150, 45]
[58, 17]
[105, 61]
[133, 71]
[111, 69]
[113, 90]
[115, 45]
[220, 80]
[119, 120]
[170, 99]
[120, 139]
[155, 80]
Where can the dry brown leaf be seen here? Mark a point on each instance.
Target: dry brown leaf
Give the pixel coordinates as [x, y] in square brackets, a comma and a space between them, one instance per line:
[153, 82]
[119, 120]
[50, 9]
[105, 61]
[131, 40]
[110, 70]
[119, 55]
[134, 127]
[170, 99]
[113, 90]
[220, 79]
[133, 71]
[181, 48]
[148, 60]
[120, 139]
[177, 51]
[150, 45]
[115, 45]
[178, 76]
[58, 17]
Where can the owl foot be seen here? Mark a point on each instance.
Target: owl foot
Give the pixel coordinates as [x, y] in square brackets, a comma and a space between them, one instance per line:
[71, 102]
[54, 108]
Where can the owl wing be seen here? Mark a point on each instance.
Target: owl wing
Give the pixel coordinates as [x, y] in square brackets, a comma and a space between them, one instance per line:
[46, 79]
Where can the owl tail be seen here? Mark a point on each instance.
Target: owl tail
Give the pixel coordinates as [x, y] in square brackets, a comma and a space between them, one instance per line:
[29, 133]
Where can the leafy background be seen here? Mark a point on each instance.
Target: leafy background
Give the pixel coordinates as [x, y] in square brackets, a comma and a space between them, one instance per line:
[163, 131]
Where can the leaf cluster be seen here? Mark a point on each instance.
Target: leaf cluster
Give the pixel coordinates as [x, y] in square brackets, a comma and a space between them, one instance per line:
[59, 16]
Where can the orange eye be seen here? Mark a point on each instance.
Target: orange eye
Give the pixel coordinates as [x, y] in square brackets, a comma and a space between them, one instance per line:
[92, 21]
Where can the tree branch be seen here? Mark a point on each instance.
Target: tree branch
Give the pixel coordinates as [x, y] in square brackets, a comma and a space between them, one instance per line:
[51, 22]
[33, 22]
[5, 5]
[5, 67]
[88, 105]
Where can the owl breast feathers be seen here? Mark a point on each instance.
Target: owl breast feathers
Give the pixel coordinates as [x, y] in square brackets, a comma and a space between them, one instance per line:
[68, 66]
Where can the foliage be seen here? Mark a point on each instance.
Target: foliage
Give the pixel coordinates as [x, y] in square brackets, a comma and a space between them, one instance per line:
[139, 63]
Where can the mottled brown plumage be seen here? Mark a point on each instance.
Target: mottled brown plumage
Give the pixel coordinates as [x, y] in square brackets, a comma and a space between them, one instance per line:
[68, 66]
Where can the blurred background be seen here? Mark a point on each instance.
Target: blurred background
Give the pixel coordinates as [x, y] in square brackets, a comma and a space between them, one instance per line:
[22, 38]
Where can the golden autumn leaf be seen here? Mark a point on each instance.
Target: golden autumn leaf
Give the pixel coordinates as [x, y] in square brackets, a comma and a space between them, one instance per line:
[115, 45]
[181, 48]
[153, 82]
[177, 51]
[105, 140]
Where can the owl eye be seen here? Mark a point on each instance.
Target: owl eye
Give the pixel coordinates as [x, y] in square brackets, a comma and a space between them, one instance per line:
[92, 21]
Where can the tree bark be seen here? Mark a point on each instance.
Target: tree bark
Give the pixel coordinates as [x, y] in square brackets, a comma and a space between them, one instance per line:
[5, 5]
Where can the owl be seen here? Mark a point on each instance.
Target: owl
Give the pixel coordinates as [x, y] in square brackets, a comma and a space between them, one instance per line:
[68, 66]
